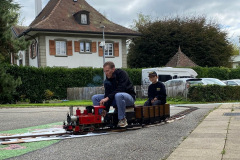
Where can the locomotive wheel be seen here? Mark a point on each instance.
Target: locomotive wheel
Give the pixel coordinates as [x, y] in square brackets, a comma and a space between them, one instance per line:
[97, 127]
[91, 128]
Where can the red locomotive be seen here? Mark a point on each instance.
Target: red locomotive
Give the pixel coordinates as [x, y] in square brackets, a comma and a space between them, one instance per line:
[91, 119]
[87, 120]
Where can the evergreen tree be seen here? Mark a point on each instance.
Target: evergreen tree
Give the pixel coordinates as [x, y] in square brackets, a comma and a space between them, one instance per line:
[7, 86]
[202, 42]
[8, 44]
[8, 18]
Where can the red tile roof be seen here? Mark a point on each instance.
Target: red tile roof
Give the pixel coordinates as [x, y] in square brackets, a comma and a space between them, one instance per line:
[58, 16]
[17, 30]
[180, 60]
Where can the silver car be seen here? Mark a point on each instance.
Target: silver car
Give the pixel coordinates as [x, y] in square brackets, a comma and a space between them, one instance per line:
[179, 87]
[233, 82]
[212, 81]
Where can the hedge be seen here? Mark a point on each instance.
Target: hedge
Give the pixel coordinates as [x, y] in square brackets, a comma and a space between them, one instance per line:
[35, 81]
[213, 93]
[221, 73]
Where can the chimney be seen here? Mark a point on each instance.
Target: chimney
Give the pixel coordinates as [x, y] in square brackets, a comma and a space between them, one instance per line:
[38, 7]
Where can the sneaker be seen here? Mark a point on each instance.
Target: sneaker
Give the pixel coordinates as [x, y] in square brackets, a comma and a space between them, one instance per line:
[122, 122]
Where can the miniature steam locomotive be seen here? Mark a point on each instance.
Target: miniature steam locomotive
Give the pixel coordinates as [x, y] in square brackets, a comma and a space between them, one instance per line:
[91, 119]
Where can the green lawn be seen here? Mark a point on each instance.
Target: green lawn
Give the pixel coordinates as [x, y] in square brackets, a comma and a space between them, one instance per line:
[87, 103]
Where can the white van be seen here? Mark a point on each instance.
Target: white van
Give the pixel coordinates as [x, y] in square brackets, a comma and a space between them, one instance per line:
[167, 73]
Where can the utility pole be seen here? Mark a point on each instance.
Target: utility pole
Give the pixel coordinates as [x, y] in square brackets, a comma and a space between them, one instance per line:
[103, 47]
[239, 43]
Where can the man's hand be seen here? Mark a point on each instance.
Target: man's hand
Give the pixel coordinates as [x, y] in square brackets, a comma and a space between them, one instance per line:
[153, 100]
[103, 101]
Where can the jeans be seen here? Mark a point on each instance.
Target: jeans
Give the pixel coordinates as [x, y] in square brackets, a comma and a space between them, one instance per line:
[121, 99]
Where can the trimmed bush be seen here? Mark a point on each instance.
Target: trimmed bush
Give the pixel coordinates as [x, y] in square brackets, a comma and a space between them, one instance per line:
[36, 80]
[221, 73]
[135, 75]
[213, 93]
[235, 73]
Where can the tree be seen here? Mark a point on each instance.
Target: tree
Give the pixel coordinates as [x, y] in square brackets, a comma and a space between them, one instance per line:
[9, 17]
[202, 42]
[7, 86]
[235, 50]
[8, 45]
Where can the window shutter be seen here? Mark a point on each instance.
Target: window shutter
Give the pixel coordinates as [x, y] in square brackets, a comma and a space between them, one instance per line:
[77, 46]
[116, 49]
[52, 47]
[100, 50]
[94, 47]
[69, 48]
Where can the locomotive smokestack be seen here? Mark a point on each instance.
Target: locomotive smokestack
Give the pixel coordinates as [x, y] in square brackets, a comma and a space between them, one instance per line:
[38, 7]
[71, 110]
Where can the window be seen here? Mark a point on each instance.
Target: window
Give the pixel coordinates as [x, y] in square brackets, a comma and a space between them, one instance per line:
[20, 62]
[83, 19]
[231, 83]
[85, 46]
[33, 49]
[61, 48]
[111, 49]
[164, 78]
[82, 48]
[108, 49]
[20, 57]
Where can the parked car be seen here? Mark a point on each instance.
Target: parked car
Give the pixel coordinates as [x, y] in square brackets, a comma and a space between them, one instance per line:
[179, 87]
[212, 81]
[233, 82]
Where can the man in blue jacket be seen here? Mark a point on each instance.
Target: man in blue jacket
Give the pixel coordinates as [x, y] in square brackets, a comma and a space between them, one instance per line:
[119, 92]
[156, 91]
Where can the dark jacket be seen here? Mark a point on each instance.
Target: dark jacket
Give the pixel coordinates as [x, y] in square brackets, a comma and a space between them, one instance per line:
[157, 90]
[119, 82]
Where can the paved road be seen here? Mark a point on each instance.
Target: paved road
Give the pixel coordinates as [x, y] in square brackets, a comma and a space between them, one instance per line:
[16, 118]
[148, 143]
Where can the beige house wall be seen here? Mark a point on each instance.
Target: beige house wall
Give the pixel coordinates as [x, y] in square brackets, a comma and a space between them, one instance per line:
[42, 51]
[124, 54]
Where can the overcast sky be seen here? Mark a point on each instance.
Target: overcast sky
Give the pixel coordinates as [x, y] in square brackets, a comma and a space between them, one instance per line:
[123, 12]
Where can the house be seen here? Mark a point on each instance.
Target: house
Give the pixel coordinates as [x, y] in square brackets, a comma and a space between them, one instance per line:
[71, 33]
[180, 60]
[235, 60]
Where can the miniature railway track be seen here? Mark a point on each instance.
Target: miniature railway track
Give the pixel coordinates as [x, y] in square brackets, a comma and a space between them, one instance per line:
[6, 138]
[21, 138]
[183, 113]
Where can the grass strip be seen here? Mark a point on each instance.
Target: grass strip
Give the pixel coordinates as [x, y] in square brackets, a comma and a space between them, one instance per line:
[23, 148]
[85, 103]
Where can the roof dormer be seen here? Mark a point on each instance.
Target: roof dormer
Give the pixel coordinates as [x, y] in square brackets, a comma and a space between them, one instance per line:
[82, 17]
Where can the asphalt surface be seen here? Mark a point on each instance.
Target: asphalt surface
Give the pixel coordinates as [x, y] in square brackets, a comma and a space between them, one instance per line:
[16, 118]
[150, 143]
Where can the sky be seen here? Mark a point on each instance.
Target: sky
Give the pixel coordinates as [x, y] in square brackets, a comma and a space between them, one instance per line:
[124, 12]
